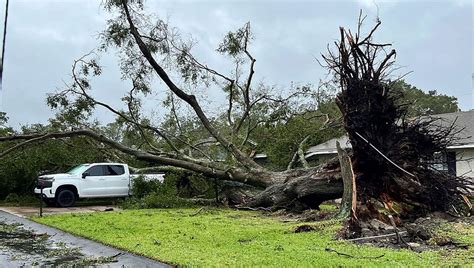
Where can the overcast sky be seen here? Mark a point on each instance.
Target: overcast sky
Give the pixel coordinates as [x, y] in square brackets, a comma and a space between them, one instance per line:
[433, 39]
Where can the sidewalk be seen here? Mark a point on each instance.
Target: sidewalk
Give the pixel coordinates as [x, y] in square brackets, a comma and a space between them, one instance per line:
[12, 255]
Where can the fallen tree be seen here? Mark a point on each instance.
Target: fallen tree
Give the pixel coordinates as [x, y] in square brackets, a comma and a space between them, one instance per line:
[392, 155]
[299, 188]
[390, 159]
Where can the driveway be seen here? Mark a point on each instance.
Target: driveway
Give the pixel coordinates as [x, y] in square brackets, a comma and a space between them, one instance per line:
[24, 243]
[28, 211]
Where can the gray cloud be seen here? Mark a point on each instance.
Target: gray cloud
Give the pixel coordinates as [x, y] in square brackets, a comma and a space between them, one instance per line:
[433, 39]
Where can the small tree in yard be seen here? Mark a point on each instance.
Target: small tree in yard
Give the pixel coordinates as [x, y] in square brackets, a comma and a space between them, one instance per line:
[388, 159]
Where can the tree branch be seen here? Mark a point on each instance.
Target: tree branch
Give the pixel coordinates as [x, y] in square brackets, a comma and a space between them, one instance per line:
[190, 99]
[209, 170]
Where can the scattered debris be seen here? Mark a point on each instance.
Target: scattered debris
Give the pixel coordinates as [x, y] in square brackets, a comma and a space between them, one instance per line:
[20, 244]
[198, 211]
[279, 248]
[375, 237]
[423, 234]
[418, 231]
[309, 215]
[304, 228]
[246, 240]
[351, 256]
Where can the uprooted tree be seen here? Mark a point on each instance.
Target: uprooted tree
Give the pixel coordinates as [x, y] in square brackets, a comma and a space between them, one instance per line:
[391, 154]
[390, 159]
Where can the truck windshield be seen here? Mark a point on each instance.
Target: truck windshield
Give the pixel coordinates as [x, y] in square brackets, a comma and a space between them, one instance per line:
[77, 169]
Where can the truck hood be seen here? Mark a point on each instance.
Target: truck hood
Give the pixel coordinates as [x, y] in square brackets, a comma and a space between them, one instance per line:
[58, 176]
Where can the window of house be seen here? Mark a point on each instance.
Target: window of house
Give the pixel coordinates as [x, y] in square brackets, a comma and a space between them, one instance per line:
[444, 162]
[451, 162]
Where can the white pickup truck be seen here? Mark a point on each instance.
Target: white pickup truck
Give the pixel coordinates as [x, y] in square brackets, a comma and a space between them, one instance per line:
[95, 180]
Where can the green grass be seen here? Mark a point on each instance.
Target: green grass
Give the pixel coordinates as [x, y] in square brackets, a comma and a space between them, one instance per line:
[224, 237]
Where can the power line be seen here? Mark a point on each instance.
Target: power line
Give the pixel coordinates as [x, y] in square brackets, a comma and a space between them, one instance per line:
[3, 44]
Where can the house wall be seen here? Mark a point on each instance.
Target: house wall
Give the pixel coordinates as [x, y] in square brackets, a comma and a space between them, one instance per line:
[316, 160]
[263, 161]
[465, 162]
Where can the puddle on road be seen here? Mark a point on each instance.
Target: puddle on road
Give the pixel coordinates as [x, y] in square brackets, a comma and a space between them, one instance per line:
[33, 249]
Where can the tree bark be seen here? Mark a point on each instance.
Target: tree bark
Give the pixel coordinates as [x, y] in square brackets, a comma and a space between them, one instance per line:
[349, 196]
[302, 189]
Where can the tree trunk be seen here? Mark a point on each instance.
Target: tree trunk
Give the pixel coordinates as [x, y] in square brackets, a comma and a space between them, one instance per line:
[349, 197]
[302, 189]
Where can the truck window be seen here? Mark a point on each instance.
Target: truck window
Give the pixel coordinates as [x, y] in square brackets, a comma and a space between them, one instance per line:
[114, 170]
[77, 169]
[96, 171]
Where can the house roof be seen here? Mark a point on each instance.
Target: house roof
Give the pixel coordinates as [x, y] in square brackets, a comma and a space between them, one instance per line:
[464, 122]
[328, 147]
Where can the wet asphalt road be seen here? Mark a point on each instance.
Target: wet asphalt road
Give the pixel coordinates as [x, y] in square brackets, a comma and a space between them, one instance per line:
[28, 255]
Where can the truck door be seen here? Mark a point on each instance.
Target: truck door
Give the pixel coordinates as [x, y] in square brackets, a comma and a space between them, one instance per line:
[117, 180]
[95, 182]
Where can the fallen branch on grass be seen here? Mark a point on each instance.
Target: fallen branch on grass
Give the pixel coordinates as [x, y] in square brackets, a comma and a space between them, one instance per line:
[252, 208]
[351, 256]
[397, 232]
[198, 211]
[376, 236]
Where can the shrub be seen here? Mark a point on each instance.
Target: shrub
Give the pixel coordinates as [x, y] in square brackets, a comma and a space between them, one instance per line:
[170, 193]
[20, 200]
[12, 198]
[142, 187]
[19, 170]
[191, 184]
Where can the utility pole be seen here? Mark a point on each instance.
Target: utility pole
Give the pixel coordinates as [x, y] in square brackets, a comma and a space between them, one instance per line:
[3, 49]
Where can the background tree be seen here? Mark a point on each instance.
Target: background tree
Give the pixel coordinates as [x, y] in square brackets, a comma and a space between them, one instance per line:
[280, 141]
[419, 102]
[284, 142]
[19, 171]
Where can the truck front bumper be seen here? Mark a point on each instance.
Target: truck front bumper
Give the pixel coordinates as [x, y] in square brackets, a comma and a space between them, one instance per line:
[47, 193]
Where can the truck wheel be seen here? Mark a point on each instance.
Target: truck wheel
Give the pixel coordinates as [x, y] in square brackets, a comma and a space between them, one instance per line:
[65, 198]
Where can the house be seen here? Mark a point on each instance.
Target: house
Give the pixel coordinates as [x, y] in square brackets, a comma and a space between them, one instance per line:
[458, 160]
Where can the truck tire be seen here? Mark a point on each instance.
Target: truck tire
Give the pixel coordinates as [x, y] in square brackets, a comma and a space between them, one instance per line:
[65, 198]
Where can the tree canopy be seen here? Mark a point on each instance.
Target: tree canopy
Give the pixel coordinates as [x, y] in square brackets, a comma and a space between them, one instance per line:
[420, 102]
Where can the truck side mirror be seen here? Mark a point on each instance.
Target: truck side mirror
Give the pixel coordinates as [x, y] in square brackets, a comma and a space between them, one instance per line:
[85, 174]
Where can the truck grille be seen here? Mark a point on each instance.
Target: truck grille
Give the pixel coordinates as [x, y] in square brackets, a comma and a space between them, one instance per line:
[42, 183]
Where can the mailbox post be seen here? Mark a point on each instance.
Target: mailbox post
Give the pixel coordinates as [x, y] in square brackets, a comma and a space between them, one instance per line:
[41, 186]
[216, 189]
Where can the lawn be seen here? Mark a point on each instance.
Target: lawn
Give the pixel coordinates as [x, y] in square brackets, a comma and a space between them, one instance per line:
[224, 237]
